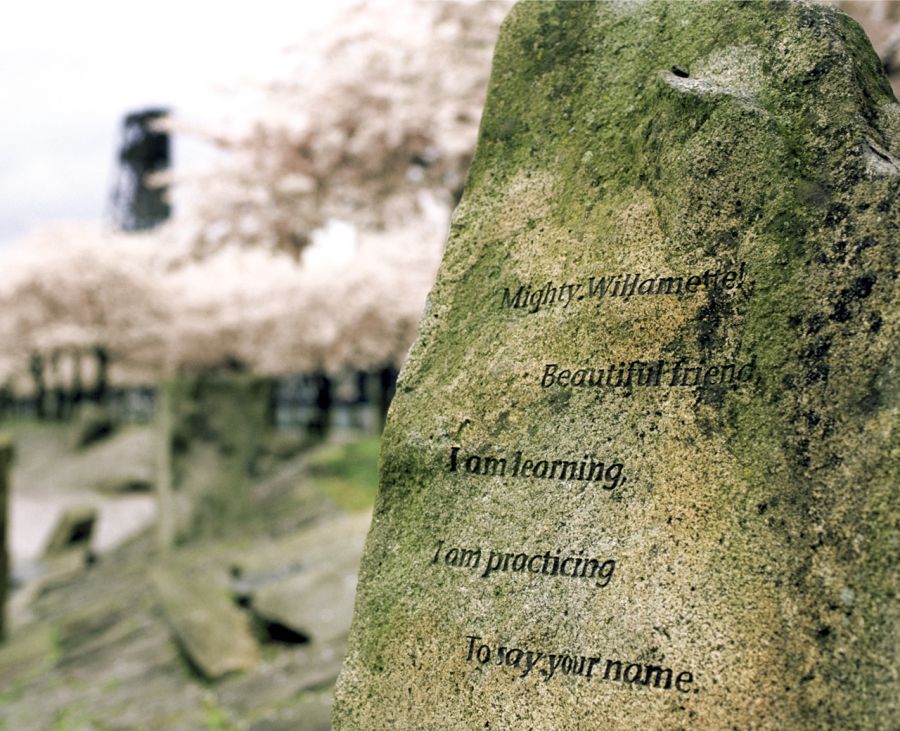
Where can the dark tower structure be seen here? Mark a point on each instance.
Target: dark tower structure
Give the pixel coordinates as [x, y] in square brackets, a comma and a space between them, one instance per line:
[145, 150]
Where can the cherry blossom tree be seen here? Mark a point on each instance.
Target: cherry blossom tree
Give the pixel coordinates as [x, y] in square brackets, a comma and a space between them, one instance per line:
[371, 122]
[380, 106]
[367, 120]
[74, 292]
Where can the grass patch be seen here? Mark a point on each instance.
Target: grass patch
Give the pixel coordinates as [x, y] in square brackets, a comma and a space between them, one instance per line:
[347, 472]
[71, 718]
[214, 717]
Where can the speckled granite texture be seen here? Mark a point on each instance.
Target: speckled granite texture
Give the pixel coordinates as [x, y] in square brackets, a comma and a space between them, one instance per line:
[640, 470]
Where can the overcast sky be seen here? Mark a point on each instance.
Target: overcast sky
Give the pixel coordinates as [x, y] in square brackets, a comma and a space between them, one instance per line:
[71, 70]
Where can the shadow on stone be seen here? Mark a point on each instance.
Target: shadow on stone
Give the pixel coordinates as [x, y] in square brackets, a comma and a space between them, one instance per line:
[74, 529]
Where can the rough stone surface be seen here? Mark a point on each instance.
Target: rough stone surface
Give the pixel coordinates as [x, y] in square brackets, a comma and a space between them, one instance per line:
[329, 578]
[213, 633]
[738, 161]
[25, 657]
[91, 647]
[287, 602]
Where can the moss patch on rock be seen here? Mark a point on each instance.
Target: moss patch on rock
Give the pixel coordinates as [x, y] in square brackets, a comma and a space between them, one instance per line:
[735, 167]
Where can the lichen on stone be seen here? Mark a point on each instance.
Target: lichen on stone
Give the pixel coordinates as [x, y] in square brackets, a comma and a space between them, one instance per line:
[742, 142]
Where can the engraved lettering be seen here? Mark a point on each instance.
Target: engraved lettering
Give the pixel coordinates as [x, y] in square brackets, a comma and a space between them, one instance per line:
[651, 374]
[609, 474]
[684, 678]
[552, 665]
[530, 299]
[571, 566]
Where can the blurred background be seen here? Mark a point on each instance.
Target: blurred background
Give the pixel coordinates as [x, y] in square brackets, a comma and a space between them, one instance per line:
[218, 227]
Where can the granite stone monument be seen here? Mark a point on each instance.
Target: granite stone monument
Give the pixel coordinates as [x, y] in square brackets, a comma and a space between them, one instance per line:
[640, 471]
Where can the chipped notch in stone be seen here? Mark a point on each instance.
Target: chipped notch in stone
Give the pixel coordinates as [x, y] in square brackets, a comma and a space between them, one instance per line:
[878, 160]
[735, 71]
[701, 87]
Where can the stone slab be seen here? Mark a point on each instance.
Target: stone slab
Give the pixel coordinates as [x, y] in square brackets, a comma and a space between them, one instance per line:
[73, 530]
[214, 634]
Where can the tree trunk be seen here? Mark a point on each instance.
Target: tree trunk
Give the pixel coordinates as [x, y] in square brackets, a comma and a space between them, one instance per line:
[165, 520]
[387, 380]
[360, 406]
[101, 387]
[77, 382]
[6, 456]
[58, 389]
[40, 387]
[321, 422]
[7, 403]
